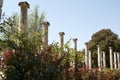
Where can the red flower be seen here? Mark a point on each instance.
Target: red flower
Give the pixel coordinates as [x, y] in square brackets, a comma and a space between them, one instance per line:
[7, 54]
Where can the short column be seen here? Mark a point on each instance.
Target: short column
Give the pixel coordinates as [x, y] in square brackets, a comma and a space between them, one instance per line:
[99, 62]
[86, 54]
[115, 65]
[118, 60]
[111, 58]
[104, 60]
[90, 60]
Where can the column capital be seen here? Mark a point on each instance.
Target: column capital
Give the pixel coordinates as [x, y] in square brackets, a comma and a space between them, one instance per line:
[26, 4]
[98, 45]
[89, 50]
[102, 51]
[110, 47]
[46, 23]
[75, 39]
[75, 43]
[86, 43]
[61, 33]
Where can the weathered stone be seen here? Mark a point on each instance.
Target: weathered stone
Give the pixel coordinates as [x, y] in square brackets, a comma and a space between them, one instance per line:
[23, 16]
[61, 34]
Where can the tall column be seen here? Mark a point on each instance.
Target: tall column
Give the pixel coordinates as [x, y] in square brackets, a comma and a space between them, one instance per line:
[23, 16]
[111, 58]
[104, 61]
[86, 54]
[45, 30]
[89, 60]
[99, 61]
[76, 58]
[115, 65]
[75, 43]
[118, 60]
[61, 34]
[1, 4]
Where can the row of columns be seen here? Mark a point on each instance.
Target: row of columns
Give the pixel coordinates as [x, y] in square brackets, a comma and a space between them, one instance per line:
[23, 24]
[24, 6]
[101, 58]
[114, 58]
[88, 63]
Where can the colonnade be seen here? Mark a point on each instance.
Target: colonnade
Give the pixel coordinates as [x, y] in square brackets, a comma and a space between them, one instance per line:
[114, 59]
[101, 58]
[88, 63]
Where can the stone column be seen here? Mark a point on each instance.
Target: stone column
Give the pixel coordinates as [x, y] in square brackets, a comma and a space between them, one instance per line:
[45, 32]
[111, 58]
[86, 54]
[115, 65]
[61, 34]
[118, 60]
[104, 60]
[99, 61]
[76, 58]
[89, 60]
[75, 43]
[1, 4]
[23, 16]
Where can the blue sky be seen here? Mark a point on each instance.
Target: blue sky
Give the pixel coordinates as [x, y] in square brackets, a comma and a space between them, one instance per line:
[77, 18]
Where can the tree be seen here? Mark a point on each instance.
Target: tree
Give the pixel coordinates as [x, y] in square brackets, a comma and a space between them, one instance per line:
[105, 38]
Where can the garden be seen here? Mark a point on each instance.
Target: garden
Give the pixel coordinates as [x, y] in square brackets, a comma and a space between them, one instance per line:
[26, 54]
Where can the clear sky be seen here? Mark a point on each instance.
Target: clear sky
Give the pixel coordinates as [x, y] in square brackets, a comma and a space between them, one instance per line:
[77, 18]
